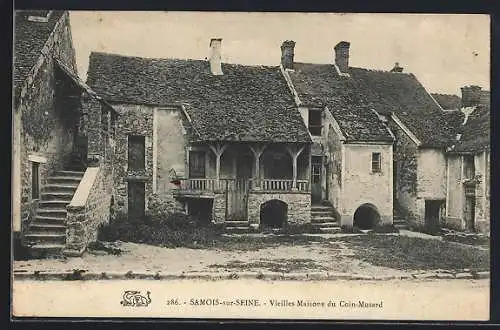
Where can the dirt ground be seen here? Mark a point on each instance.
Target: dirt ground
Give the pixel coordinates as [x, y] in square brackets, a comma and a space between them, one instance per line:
[354, 255]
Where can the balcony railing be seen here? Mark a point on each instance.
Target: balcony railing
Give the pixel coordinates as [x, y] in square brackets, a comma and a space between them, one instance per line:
[212, 185]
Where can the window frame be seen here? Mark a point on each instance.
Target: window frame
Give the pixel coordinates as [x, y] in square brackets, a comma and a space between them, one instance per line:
[130, 138]
[201, 172]
[315, 129]
[376, 164]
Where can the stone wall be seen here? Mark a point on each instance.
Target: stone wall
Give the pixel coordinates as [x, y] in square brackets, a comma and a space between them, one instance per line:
[133, 120]
[334, 153]
[405, 166]
[89, 209]
[455, 194]
[361, 185]
[431, 174]
[482, 210]
[40, 126]
[299, 206]
[165, 125]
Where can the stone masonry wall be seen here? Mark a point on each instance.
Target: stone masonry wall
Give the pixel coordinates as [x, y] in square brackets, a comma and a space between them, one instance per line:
[42, 132]
[405, 165]
[299, 206]
[361, 185]
[85, 217]
[482, 210]
[133, 120]
[455, 194]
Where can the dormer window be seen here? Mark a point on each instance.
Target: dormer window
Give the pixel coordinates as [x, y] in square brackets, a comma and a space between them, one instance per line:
[42, 17]
[315, 122]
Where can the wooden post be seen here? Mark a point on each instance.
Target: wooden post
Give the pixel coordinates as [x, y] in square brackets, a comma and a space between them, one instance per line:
[218, 150]
[257, 151]
[294, 153]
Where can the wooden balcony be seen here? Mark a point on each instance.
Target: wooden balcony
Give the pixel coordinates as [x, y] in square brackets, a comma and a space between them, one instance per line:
[189, 186]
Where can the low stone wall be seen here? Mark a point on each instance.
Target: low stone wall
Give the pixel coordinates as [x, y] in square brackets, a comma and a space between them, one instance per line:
[219, 208]
[299, 206]
[88, 211]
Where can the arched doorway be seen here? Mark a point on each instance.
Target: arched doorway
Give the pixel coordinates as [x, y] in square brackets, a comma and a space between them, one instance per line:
[273, 214]
[366, 216]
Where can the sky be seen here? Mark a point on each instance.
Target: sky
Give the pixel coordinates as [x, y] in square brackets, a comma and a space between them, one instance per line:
[444, 51]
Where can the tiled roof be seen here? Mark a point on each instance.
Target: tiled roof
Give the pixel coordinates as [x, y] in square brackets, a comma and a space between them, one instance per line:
[385, 92]
[476, 131]
[448, 101]
[246, 103]
[320, 85]
[29, 39]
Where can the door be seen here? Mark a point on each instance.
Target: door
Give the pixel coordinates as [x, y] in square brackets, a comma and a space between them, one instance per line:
[136, 200]
[316, 166]
[469, 213]
[237, 199]
[432, 214]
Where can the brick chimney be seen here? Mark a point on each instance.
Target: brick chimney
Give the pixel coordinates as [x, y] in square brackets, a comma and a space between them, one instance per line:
[397, 68]
[287, 53]
[215, 56]
[471, 96]
[342, 56]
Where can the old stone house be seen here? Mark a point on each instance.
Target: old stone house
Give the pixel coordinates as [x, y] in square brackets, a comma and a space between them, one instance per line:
[225, 140]
[468, 164]
[54, 132]
[352, 147]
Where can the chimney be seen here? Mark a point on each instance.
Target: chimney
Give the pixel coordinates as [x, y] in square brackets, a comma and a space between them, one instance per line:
[287, 53]
[215, 56]
[397, 68]
[342, 56]
[471, 96]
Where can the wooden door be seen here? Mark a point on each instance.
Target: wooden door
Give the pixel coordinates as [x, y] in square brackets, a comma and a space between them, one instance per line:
[237, 199]
[469, 213]
[136, 200]
[316, 169]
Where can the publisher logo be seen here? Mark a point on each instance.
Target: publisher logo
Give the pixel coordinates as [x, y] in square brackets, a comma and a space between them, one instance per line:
[135, 299]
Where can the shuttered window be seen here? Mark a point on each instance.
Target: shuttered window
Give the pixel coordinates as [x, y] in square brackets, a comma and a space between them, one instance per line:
[136, 152]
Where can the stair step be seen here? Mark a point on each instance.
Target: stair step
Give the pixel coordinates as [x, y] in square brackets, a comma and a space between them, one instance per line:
[52, 212]
[330, 229]
[69, 186]
[326, 224]
[234, 223]
[57, 195]
[322, 219]
[46, 238]
[49, 220]
[242, 229]
[69, 173]
[53, 204]
[63, 179]
[44, 250]
[46, 227]
[321, 208]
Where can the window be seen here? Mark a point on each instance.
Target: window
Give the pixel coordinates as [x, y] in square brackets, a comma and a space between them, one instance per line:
[197, 164]
[316, 166]
[35, 180]
[469, 167]
[136, 152]
[376, 162]
[315, 122]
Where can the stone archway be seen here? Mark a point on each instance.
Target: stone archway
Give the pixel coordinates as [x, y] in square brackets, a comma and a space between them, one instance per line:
[273, 214]
[366, 216]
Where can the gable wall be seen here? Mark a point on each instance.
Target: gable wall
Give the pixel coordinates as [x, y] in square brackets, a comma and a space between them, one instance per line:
[39, 125]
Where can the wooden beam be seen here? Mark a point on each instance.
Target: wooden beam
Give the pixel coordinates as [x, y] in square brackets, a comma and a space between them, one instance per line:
[257, 150]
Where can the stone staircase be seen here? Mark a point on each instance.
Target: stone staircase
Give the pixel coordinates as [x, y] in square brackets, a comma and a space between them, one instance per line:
[398, 218]
[323, 218]
[237, 227]
[46, 234]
